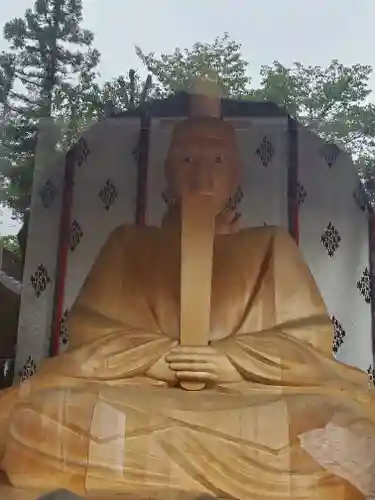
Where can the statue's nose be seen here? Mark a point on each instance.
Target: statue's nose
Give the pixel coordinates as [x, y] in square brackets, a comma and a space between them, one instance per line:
[202, 179]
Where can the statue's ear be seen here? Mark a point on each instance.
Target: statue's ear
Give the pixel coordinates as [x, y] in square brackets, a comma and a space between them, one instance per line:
[60, 495]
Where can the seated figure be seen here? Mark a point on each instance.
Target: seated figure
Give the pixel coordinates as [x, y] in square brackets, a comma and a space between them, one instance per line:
[109, 416]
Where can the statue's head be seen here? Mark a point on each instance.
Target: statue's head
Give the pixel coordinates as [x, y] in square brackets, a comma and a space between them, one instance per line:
[203, 158]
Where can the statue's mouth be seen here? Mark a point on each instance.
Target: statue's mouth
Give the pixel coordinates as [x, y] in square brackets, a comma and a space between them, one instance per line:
[205, 192]
[196, 189]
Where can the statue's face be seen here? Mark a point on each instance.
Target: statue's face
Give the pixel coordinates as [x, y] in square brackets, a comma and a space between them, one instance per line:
[203, 158]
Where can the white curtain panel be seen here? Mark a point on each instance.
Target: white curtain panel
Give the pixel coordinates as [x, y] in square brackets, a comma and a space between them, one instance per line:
[334, 242]
[104, 198]
[264, 176]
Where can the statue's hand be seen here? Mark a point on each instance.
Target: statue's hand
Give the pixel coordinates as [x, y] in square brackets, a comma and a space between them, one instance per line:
[161, 371]
[202, 364]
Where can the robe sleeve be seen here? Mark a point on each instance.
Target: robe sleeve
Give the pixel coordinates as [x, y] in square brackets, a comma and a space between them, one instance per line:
[295, 349]
[101, 346]
[96, 311]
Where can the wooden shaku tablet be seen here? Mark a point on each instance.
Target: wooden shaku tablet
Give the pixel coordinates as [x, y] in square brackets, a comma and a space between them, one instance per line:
[197, 243]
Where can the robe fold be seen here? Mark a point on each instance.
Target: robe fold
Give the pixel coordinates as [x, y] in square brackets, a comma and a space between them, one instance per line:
[93, 420]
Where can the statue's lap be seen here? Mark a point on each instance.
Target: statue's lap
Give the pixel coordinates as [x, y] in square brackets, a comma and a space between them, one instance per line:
[123, 439]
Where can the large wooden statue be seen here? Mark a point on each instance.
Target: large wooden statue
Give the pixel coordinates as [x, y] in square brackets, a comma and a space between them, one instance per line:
[112, 415]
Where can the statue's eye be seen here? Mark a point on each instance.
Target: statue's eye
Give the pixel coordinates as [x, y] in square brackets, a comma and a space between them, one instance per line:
[218, 159]
[188, 159]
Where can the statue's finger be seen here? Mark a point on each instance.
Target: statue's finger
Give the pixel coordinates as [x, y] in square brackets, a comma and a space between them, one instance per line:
[192, 350]
[187, 357]
[197, 376]
[193, 367]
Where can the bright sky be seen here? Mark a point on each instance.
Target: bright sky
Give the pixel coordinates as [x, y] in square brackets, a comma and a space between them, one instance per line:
[311, 31]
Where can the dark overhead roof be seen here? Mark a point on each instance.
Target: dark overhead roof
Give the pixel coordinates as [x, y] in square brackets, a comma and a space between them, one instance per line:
[178, 105]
